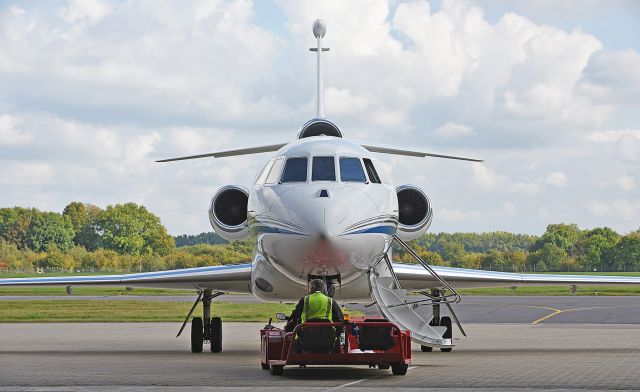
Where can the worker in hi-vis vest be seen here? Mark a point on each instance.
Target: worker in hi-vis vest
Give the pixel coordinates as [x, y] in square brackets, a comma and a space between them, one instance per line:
[315, 306]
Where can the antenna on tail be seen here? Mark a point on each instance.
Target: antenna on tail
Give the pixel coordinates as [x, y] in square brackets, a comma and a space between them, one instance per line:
[319, 30]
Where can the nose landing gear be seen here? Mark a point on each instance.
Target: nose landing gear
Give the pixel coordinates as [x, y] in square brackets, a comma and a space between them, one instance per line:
[204, 329]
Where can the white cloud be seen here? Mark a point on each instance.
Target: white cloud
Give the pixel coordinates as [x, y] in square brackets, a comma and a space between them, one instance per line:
[612, 136]
[626, 183]
[623, 209]
[94, 91]
[453, 130]
[486, 179]
[556, 179]
[526, 187]
[15, 174]
[11, 132]
[85, 10]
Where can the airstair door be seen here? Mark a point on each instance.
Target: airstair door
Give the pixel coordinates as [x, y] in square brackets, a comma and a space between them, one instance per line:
[392, 305]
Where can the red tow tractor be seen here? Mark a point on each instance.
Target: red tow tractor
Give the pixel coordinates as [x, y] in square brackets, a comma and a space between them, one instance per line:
[355, 341]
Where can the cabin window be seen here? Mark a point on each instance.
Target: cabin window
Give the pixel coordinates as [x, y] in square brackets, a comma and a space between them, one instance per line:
[371, 171]
[324, 169]
[274, 173]
[351, 170]
[295, 170]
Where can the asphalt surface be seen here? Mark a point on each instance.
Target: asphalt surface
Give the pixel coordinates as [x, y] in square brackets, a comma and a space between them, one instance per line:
[146, 357]
[472, 309]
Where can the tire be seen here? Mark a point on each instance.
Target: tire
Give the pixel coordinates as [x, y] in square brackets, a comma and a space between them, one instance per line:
[264, 366]
[426, 349]
[197, 335]
[277, 370]
[446, 322]
[216, 335]
[384, 366]
[399, 369]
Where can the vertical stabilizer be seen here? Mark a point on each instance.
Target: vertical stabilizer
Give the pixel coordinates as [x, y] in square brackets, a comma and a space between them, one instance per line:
[319, 30]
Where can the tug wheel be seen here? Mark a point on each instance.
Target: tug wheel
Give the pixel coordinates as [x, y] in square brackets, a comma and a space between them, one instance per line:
[446, 322]
[197, 335]
[426, 349]
[399, 369]
[277, 370]
[216, 335]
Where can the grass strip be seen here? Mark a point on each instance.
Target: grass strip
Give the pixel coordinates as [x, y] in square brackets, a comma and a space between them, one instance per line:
[555, 290]
[129, 311]
[132, 311]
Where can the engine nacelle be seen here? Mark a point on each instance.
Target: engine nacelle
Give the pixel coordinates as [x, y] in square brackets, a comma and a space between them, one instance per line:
[228, 213]
[414, 210]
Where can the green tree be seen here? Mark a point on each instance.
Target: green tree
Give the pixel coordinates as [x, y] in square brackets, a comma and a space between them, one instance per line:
[14, 224]
[48, 228]
[562, 235]
[132, 229]
[626, 253]
[454, 253]
[86, 227]
[54, 260]
[76, 212]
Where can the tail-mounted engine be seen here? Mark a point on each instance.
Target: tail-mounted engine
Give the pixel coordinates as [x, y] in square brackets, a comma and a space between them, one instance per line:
[228, 213]
[414, 210]
[318, 127]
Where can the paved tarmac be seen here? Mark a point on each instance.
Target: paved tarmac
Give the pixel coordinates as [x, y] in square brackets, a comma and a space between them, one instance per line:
[146, 357]
[472, 309]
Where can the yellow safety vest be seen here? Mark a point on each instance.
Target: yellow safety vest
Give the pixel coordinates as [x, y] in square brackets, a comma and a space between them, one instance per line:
[317, 306]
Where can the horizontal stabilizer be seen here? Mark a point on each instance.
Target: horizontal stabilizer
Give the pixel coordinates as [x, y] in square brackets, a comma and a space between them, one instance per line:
[413, 153]
[230, 153]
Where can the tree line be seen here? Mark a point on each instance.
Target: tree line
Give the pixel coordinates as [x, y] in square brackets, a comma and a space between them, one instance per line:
[562, 247]
[128, 237]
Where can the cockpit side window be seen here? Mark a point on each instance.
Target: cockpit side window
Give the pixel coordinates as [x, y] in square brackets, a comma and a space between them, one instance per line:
[275, 171]
[351, 170]
[295, 170]
[371, 171]
[264, 173]
[324, 169]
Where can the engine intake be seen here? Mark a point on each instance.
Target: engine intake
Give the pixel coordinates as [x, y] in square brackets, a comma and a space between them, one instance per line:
[414, 210]
[317, 127]
[228, 213]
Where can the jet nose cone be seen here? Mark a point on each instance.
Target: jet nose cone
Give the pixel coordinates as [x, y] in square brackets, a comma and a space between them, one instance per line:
[327, 213]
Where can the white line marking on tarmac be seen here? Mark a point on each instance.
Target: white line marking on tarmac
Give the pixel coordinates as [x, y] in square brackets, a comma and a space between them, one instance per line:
[348, 384]
[357, 382]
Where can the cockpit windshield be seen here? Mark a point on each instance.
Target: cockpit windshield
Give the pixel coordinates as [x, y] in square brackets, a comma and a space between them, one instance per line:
[295, 170]
[324, 169]
[351, 170]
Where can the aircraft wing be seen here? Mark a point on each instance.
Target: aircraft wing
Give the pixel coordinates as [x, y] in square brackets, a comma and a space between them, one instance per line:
[412, 153]
[414, 277]
[230, 153]
[233, 278]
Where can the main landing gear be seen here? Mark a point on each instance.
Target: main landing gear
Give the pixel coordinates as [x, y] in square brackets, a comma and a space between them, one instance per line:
[439, 321]
[204, 329]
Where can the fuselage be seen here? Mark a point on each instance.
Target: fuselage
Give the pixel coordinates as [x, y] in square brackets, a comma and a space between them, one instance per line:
[320, 207]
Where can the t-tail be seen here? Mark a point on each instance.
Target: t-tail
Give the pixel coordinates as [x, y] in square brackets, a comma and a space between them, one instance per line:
[319, 125]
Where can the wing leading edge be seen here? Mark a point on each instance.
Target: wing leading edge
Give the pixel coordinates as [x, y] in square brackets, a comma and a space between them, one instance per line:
[234, 278]
[414, 277]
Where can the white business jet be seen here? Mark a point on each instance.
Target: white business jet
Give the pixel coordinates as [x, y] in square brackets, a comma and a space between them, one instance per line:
[323, 208]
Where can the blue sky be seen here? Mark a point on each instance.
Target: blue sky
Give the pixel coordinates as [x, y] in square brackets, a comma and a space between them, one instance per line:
[547, 92]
